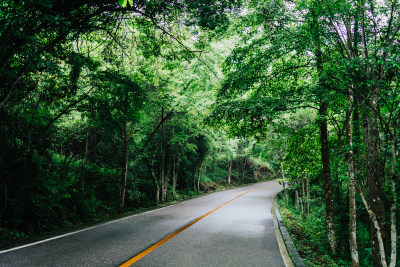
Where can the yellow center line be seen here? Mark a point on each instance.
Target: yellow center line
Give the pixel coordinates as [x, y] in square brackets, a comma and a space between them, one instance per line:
[159, 244]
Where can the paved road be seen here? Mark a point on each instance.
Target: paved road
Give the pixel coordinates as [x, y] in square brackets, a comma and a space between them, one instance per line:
[239, 233]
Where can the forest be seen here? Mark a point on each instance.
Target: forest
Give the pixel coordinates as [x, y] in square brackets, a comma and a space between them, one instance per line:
[111, 107]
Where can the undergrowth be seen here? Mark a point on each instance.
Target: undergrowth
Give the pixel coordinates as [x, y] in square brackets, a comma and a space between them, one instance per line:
[308, 233]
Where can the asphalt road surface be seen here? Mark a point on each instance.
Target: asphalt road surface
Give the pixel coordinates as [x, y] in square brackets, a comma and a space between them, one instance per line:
[228, 228]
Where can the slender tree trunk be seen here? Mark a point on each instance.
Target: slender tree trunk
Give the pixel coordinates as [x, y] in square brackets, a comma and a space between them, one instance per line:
[213, 164]
[374, 169]
[5, 193]
[378, 230]
[163, 155]
[326, 169]
[165, 181]
[351, 177]
[308, 194]
[124, 167]
[154, 179]
[229, 172]
[303, 197]
[285, 188]
[297, 200]
[165, 174]
[244, 169]
[162, 180]
[393, 228]
[256, 173]
[199, 176]
[175, 175]
[356, 129]
[85, 156]
[237, 170]
[165, 184]
[194, 178]
[326, 172]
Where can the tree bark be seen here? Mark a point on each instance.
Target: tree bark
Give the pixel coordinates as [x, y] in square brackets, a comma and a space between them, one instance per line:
[374, 168]
[175, 175]
[124, 167]
[85, 157]
[308, 194]
[374, 220]
[244, 169]
[285, 189]
[229, 172]
[326, 172]
[303, 197]
[199, 176]
[297, 200]
[194, 178]
[351, 178]
[237, 170]
[155, 182]
[166, 173]
[326, 169]
[393, 228]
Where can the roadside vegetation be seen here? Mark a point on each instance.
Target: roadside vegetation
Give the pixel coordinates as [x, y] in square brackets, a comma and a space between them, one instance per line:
[308, 233]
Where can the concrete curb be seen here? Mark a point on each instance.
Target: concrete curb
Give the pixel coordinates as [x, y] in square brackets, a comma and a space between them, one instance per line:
[295, 259]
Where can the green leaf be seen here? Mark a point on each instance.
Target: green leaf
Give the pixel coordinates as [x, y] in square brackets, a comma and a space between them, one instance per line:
[123, 3]
[130, 3]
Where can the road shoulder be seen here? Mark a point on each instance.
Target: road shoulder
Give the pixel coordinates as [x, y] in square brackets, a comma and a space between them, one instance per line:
[288, 251]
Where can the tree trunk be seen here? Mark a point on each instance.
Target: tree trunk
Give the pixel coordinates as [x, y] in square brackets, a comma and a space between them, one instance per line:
[155, 182]
[244, 169]
[393, 230]
[165, 174]
[237, 169]
[256, 172]
[326, 172]
[230, 170]
[378, 230]
[194, 178]
[303, 197]
[162, 179]
[301, 206]
[308, 194]
[374, 168]
[285, 189]
[351, 177]
[86, 154]
[175, 175]
[297, 199]
[165, 185]
[124, 167]
[85, 157]
[213, 164]
[356, 129]
[199, 176]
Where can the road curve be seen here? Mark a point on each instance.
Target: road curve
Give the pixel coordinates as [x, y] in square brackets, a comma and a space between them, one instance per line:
[236, 231]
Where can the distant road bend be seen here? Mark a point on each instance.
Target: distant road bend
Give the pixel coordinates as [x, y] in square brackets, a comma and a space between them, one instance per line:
[228, 228]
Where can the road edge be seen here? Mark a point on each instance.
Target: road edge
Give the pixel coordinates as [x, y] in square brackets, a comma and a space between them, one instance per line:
[288, 251]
